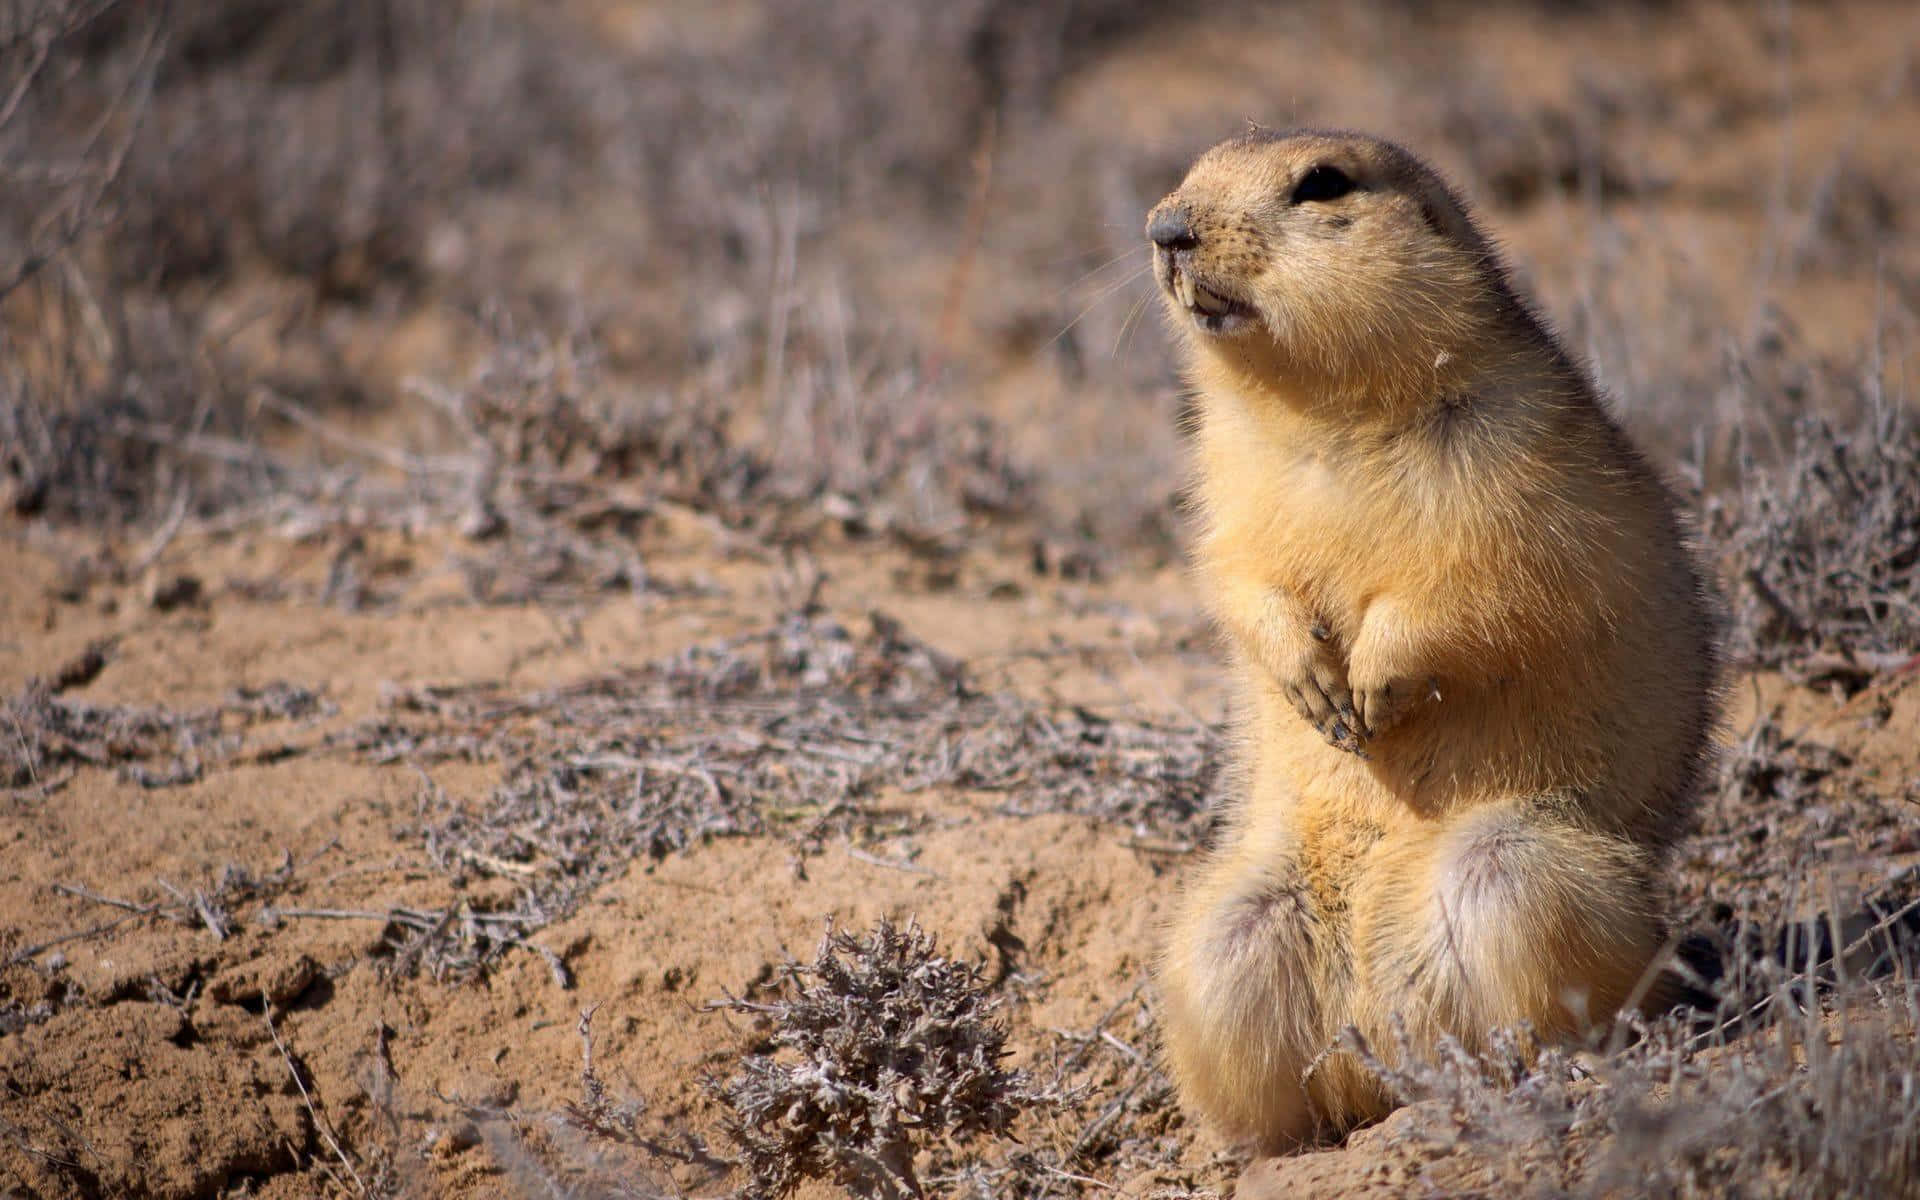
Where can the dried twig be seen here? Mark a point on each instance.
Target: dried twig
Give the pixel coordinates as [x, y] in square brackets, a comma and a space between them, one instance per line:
[320, 1122]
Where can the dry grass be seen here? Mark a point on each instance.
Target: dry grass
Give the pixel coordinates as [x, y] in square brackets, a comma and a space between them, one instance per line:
[281, 140]
[46, 738]
[1826, 548]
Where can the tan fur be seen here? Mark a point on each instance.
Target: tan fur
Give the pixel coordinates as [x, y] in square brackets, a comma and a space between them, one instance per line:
[1475, 661]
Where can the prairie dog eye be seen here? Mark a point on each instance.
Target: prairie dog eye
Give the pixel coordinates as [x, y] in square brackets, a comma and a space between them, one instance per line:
[1322, 183]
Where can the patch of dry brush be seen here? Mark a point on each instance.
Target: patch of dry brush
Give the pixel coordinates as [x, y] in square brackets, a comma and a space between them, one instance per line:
[44, 737]
[1801, 1086]
[803, 729]
[1826, 549]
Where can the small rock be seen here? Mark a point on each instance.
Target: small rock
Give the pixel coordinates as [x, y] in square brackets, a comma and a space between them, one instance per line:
[476, 1089]
[168, 592]
[277, 979]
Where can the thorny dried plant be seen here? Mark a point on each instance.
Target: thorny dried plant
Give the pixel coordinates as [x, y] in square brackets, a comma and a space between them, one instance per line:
[1108, 1112]
[878, 1047]
[1114, 1116]
[635, 1152]
[597, 1112]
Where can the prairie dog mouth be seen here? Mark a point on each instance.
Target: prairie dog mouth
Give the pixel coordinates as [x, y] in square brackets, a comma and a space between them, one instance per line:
[1210, 310]
[1209, 303]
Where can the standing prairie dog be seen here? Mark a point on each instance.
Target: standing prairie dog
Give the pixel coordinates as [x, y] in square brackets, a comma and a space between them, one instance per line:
[1475, 662]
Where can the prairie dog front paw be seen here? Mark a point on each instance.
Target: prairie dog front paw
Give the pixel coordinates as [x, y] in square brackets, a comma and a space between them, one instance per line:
[1297, 650]
[1387, 674]
[1312, 674]
[1378, 704]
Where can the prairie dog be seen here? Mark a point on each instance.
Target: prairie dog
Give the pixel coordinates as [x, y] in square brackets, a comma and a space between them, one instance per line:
[1475, 663]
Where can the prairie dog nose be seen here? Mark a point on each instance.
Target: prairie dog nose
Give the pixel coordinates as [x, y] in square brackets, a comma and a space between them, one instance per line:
[1170, 229]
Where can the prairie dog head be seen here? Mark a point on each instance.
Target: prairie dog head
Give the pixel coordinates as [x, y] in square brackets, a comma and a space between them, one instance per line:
[1329, 259]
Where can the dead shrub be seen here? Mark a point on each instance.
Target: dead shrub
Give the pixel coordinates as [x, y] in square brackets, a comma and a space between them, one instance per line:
[877, 1047]
[327, 142]
[160, 152]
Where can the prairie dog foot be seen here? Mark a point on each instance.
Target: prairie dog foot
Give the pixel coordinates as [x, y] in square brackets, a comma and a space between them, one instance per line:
[1243, 990]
